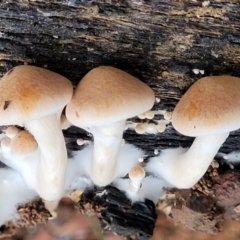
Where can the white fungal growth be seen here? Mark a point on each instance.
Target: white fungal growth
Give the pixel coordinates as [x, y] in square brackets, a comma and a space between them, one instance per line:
[202, 71]
[151, 188]
[156, 152]
[205, 3]
[81, 141]
[130, 125]
[195, 71]
[13, 192]
[77, 176]
[159, 112]
[157, 100]
[231, 158]
[79, 167]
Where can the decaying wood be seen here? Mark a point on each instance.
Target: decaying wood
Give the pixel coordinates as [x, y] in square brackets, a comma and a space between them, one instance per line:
[158, 41]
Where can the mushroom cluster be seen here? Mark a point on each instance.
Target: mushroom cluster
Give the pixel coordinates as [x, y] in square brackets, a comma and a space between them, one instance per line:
[34, 98]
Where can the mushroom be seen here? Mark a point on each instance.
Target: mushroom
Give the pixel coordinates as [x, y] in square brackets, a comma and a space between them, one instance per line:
[136, 175]
[151, 188]
[12, 131]
[5, 144]
[23, 144]
[34, 97]
[152, 128]
[141, 128]
[65, 124]
[102, 102]
[208, 111]
[81, 141]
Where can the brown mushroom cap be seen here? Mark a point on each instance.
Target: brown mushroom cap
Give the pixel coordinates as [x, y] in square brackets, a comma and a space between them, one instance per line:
[12, 131]
[29, 92]
[23, 144]
[137, 173]
[210, 106]
[106, 95]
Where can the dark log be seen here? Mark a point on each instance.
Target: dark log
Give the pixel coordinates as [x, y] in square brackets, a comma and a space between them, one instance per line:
[159, 42]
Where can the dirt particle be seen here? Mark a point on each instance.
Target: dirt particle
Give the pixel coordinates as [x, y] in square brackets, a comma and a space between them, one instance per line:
[6, 104]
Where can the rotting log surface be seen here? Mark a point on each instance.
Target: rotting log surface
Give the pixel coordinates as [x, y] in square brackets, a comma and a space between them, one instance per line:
[117, 214]
[159, 42]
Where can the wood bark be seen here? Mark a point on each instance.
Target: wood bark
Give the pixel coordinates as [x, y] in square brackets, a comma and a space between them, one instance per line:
[158, 41]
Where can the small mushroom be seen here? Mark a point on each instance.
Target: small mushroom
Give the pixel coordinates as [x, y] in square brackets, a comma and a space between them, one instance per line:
[136, 175]
[152, 128]
[161, 126]
[167, 115]
[149, 114]
[81, 141]
[23, 144]
[14, 192]
[142, 115]
[5, 144]
[141, 128]
[102, 102]
[12, 131]
[35, 98]
[151, 188]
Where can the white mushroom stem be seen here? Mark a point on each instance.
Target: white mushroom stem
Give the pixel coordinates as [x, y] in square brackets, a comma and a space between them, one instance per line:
[107, 142]
[184, 169]
[51, 206]
[159, 112]
[65, 124]
[50, 172]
